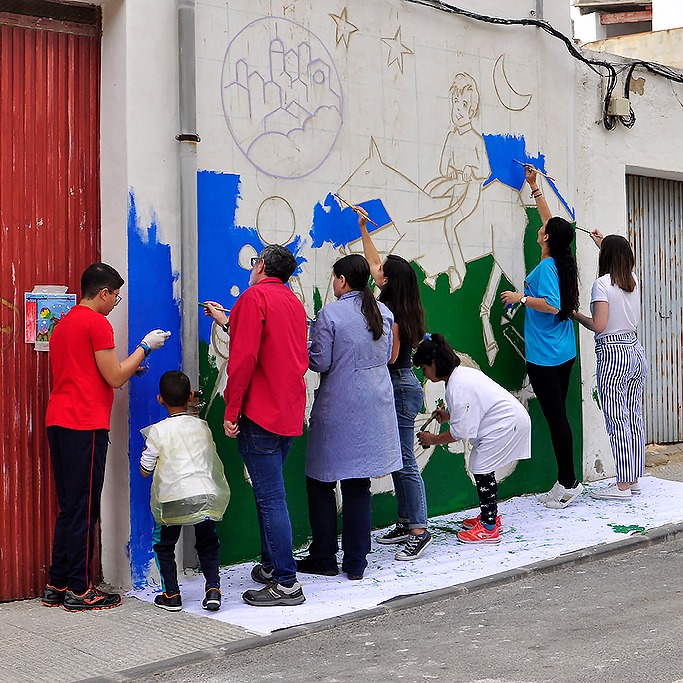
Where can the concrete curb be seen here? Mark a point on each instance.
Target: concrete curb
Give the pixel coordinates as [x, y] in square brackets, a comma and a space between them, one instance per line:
[602, 550]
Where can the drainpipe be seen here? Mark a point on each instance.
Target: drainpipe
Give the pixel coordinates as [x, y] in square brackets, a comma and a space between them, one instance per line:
[188, 139]
[539, 10]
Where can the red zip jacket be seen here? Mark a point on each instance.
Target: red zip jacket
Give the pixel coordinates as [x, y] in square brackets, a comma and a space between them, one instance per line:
[268, 358]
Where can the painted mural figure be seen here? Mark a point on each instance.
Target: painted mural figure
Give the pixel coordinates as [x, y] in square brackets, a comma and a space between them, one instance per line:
[353, 432]
[189, 487]
[551, 295]
[495, 422]
[397, 281]
[85, 372]
[621, 364]
[463, 169]
[265, 402]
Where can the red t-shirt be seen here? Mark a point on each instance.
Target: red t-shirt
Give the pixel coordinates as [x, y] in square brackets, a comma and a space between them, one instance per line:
[81, 398]
[268, 358]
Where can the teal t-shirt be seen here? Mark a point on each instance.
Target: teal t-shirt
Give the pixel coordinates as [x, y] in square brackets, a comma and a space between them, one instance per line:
[548, 340]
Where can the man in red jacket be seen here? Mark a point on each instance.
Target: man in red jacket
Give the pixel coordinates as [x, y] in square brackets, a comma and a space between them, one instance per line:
[265, 400]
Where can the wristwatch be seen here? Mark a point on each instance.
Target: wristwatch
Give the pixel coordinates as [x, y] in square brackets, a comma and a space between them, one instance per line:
[523, 300]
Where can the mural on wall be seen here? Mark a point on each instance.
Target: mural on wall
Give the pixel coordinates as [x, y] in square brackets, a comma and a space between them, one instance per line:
[296, 133]
[281, 97]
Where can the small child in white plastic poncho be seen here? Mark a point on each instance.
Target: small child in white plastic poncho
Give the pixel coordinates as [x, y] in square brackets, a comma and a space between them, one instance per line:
[189, 487]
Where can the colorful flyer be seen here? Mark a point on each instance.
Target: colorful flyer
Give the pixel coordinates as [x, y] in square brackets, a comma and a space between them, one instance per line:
[44, 307]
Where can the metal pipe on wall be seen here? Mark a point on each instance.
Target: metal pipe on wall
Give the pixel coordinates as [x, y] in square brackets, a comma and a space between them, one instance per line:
[188, 139]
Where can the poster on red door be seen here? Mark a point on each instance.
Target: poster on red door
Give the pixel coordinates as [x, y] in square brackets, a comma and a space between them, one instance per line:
[44, 307]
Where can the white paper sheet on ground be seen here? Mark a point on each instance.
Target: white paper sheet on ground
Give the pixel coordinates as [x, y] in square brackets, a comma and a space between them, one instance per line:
[531, 532]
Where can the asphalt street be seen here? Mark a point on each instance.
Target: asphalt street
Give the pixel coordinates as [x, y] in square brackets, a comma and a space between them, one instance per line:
[614, 619]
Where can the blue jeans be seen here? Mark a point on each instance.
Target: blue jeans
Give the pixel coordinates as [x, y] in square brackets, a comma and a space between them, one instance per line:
[408, 484]
[264, 455]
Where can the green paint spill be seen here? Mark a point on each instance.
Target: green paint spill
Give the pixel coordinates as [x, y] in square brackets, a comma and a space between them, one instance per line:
[596, 397]
[630, 529]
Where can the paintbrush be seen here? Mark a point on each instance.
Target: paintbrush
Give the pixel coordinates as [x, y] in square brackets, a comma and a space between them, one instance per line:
[218, 308]
[351, 206]
[545, 175]
[428, 422]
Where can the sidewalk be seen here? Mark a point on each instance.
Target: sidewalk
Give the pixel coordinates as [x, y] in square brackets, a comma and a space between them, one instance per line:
[42, 644]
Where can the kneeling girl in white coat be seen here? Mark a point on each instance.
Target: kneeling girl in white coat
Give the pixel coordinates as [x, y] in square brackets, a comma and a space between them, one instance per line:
[495, 422]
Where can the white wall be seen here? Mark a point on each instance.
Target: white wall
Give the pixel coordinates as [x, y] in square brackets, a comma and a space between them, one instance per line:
[652, 147]
[139, 121]
[667, 14]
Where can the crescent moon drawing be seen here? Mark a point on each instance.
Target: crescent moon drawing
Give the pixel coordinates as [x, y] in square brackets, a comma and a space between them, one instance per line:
[507, 95]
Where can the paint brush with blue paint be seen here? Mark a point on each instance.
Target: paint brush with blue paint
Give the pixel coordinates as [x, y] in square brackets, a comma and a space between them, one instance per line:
[531, 166]
[355, 208]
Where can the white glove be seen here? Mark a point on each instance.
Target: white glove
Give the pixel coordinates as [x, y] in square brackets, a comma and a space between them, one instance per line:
[155, 339]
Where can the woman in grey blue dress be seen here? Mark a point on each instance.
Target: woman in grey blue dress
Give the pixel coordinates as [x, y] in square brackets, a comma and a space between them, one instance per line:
[353, 432]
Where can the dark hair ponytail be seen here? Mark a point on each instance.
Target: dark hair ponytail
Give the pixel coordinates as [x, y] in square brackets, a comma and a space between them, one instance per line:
[560, 237]
[356, 271]
[435, 349]
[403, 294]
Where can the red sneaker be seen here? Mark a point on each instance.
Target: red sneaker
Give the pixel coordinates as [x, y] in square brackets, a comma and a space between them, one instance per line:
[480, 534]
[473, 521]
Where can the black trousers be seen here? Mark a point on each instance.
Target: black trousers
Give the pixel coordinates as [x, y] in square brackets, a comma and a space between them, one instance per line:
[551, 385]
[206, 544]
[356, 523]
[78, 459]
[487, 490]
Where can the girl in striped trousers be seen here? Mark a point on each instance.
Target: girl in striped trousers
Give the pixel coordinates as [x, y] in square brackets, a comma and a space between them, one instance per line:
[621, 366]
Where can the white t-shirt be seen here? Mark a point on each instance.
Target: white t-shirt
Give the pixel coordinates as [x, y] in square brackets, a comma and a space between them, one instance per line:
[624, 307]
[495, 422]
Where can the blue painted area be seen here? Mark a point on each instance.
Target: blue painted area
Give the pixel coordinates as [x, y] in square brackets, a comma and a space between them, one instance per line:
[220, 242]
[339, 226]
[150, 305]
[502, 151]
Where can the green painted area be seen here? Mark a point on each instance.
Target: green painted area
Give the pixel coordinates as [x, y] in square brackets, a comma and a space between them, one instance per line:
[456, 315]
[627, 529]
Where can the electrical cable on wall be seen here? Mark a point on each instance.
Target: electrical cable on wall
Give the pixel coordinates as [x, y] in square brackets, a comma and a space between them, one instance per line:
[604, 69]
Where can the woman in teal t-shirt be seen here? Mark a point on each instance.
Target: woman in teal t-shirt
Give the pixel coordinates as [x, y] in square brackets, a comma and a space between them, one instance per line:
[551, 295]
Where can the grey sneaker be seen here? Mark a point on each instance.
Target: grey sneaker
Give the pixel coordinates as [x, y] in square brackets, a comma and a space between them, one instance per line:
[275, 595]
[415, 546]
[260, 575]
[564, 497]
[635, 489]
[52, 596]
[398, 534]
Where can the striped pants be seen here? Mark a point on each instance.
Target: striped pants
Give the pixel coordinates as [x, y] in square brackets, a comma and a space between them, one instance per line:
[621, 370]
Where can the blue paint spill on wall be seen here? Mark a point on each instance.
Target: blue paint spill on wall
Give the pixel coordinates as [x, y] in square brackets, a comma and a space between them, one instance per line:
[150, 305]
[339, 226]
[220, 242]
[502, 151]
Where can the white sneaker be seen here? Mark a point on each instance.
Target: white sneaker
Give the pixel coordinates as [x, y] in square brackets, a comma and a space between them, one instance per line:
[611, 493]
[635, 489]
[552, 494]
[564, 497]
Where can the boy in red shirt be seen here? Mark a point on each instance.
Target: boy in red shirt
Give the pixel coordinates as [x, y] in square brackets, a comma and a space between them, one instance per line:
[85, 372]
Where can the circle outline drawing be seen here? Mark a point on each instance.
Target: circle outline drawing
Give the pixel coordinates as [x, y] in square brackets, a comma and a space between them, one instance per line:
[270, 21]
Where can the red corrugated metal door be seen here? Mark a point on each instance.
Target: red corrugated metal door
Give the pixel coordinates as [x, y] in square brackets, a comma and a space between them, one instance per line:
[49, 232]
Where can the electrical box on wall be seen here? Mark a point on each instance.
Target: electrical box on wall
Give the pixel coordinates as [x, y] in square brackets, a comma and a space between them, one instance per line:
[619, 106]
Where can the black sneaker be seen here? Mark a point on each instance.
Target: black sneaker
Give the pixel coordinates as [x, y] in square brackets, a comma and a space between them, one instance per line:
[415, 546]
[53, 596]
[275, 595]
[309, 566]
[260, 575]
[398, 534]
[92, 599]
[212, 600]
[171, 603]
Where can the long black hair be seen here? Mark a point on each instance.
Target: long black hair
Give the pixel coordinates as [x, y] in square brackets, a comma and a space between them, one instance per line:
[616, 258]
[435, 349]
[402, 292]
[560, 237]
[356, 270]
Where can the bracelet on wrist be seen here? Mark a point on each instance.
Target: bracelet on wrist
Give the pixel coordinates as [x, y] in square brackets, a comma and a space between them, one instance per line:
[145, 348]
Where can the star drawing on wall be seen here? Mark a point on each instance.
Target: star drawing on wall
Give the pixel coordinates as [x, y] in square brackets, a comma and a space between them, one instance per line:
[344, 27]
[396, 49]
